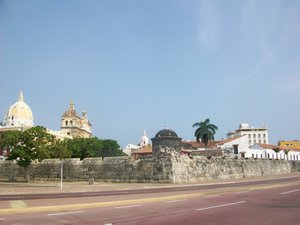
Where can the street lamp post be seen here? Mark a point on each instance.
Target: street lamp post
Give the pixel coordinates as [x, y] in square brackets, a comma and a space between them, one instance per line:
[61, 174]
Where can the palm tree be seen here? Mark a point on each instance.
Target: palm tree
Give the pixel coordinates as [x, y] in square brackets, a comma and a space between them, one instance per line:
[276, 150]
[205, 132]
[286, 151]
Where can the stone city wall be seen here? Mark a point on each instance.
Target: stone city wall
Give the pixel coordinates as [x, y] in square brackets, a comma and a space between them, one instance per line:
[112, 169]
[170, 169]
[186, 170]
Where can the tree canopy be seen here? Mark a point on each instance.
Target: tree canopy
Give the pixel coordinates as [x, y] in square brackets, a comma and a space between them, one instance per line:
[29, 145]
[93, 147]
[36, 144]
[205, 131]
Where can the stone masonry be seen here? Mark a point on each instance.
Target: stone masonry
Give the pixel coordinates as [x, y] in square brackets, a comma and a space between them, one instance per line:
[170, 169]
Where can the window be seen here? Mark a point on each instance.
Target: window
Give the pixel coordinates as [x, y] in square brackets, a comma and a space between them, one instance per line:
[258, 135]
[71, 122]
[66, 123]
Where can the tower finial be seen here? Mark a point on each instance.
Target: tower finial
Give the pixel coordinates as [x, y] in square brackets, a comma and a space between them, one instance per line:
[21, 97]
[72, 104]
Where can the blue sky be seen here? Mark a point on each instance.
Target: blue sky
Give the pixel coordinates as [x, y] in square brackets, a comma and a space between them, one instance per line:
[143, 64]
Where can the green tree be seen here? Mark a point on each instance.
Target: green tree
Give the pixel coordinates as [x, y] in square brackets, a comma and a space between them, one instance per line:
[92, 147]
[286, 151]
[276, 150]
[60, 150]
[205, 132]
[111, 148]
[28, 146]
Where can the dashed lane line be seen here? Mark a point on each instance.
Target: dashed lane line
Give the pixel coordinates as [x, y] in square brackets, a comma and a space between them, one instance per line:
[212, 196]
[219, 206]
[126, 206]
[288, 192]
[65, 213]
[173, 201]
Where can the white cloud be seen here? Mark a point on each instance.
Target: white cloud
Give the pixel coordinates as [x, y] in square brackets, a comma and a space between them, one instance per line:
[209, 25]
[269, 31]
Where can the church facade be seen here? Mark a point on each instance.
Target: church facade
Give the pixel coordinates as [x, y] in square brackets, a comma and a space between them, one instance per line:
[74, 125]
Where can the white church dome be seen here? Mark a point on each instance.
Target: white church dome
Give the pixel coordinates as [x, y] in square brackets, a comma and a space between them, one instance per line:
[19, 114]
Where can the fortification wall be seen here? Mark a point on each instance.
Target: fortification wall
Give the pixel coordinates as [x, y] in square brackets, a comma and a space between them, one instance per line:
[113, 169]
[170, 169]
[186, 170]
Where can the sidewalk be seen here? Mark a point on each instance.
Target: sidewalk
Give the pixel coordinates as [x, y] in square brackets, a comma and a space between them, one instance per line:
[39, 187]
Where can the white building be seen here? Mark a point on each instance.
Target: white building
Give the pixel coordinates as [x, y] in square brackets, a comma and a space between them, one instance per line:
[266, 151]
[255, 135]
[144, 141]
[237, 145]
[129, 148]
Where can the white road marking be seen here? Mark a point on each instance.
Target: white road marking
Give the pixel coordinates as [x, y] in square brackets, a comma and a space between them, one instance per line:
[218, 206]
[58, 214]
[180, 200]
[241, 192]
[212, 196]
[284, 193]
[126, 206]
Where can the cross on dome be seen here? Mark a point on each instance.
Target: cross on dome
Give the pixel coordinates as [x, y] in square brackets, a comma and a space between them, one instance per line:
[21, 97]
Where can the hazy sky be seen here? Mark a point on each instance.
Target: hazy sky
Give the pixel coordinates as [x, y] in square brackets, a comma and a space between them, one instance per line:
[143, 64]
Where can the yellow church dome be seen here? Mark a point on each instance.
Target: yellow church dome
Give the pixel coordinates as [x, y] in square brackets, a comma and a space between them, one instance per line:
[19, 114]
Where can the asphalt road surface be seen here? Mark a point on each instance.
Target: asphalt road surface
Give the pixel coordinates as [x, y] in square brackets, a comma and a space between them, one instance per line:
[267, 202]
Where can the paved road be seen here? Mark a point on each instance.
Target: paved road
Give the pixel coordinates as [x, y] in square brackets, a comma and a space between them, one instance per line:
[144, 191]
[265, 202]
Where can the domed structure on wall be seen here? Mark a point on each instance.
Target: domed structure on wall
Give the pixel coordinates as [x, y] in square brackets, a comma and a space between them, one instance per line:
[19, 114]
[165, 139]
[166, 133]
